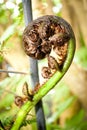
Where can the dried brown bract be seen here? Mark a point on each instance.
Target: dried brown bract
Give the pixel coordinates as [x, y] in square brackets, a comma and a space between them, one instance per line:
[19, 101]
[27, 92]
[46, 72]
[45, 35]
[27, 95]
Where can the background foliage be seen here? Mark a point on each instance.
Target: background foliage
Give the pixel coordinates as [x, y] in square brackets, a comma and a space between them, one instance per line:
[65, 106]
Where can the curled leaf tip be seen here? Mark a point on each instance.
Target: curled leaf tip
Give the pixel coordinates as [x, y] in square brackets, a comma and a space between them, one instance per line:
[48, 36]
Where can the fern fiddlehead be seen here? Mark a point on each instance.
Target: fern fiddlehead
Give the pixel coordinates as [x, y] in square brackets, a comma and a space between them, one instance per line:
[52, 37]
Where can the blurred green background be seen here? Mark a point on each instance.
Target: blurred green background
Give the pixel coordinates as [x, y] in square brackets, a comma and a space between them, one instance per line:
[65, 106]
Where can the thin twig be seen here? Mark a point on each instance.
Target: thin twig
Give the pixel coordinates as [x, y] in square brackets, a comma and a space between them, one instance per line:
[15, 72]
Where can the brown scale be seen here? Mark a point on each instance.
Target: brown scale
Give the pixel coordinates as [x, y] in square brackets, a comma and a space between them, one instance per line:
[19, 101]
[27, 95]
[61, 51]
[46, 72]
[44, 34]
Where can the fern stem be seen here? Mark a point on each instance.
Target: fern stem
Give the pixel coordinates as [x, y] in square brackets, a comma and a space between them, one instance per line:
[45, 88]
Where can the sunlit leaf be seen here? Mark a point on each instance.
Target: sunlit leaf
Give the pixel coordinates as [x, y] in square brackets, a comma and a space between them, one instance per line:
[8, 32]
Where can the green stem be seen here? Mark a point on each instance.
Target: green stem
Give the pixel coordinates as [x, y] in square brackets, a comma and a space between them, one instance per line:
[45, 88]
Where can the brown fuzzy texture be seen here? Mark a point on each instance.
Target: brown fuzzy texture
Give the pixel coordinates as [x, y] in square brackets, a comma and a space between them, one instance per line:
[19, 101]
[44, 34]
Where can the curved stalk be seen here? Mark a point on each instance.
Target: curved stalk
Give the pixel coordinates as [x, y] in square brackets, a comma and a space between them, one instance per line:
[45, 88]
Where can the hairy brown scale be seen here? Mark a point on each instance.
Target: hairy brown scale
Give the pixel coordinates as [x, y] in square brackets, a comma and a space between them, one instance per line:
[19, 101]
[44, 35]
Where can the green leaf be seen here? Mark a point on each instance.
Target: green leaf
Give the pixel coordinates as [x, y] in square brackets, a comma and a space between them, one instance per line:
[54, 127]
[1, 59]
[61, 91]
[1, 128]
[29, 121]
[61, 108]
[8, 32]
[82, 126]
[81, 57]
[76, 120]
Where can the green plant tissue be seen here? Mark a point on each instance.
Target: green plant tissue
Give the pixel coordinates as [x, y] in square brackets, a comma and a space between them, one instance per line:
[81, 57]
